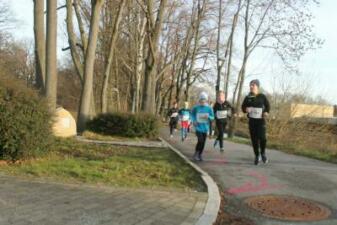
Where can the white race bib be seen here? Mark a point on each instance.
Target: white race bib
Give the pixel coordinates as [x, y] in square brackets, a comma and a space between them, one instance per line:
[255, 113]
[174, 114]
[202, 117]
[185, 118]
[221, 114]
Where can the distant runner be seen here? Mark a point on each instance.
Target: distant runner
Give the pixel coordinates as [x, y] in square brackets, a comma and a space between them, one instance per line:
[185, 120]
[222, 111]
[257, 107]
[202, 114]
[211, 130]
[174, 118]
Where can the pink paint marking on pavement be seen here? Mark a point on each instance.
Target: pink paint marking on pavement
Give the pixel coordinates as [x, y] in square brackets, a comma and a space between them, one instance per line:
[261, 185]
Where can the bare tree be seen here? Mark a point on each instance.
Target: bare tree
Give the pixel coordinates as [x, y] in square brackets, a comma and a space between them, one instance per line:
[51, 54]
[84, 110]
[107, 72]
[77, 50]
[40, 44]
[282, 26]
[153, 30]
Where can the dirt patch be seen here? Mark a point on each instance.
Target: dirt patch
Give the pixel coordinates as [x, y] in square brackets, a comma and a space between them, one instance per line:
[225, 218]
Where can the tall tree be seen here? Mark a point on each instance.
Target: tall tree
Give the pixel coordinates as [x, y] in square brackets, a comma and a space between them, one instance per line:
[107, 72]
[84, 110]
[40, 44]
[75, 47]
[51, 53]
[153, 29]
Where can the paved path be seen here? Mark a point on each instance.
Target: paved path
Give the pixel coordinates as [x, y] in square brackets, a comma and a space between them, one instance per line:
[286, 174]
[27, 202]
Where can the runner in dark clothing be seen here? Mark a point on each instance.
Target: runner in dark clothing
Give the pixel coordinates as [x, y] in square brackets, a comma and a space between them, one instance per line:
[222, 111]
[174, 118]
[257, 107]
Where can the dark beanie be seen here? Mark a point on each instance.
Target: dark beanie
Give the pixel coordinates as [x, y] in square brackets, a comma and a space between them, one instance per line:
[256, 82]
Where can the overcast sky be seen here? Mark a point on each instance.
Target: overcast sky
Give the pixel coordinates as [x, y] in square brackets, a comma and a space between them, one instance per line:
[320, 65]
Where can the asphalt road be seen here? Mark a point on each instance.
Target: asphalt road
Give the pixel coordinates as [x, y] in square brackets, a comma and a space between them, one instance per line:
[285, 175]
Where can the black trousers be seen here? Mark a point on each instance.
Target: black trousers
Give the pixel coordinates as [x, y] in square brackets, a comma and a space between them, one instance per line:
[201, 142]
[221, 126]
[257, 130]
[173, 125]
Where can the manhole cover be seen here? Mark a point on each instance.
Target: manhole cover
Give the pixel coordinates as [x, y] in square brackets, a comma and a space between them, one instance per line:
[288, 208]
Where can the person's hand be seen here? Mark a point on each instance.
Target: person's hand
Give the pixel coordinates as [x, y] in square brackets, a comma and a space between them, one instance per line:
[248, 109]
[235, 115]
[265, 115]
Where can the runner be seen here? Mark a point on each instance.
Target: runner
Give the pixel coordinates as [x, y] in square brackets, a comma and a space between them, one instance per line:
[257, 107]
[222, 111]
[211, 130]
[185, 120]
[201, 115]
[174, 117]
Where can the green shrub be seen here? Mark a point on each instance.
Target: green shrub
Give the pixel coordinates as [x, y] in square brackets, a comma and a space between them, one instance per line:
[125, 125]
[25, 123]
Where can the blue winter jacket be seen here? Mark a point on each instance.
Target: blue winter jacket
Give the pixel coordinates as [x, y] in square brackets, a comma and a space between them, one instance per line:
[201, 116]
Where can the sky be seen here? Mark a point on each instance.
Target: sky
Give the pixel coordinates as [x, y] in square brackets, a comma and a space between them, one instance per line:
[318, 67]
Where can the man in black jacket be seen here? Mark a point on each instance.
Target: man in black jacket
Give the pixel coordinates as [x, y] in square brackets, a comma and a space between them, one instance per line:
[223, 110]
[257, 107]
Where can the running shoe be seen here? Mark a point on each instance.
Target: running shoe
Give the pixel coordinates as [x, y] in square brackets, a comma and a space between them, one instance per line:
[256, 161]
[264, 159]
[196, 157]
[215, 142]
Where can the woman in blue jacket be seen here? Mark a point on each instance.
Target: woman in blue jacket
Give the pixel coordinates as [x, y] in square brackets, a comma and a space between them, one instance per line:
[202, 114]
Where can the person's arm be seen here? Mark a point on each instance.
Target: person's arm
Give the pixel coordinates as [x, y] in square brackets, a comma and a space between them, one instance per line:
[169, 113]
[215, 108]
[266, 105]
[211, 114]
[193, 115]
[233, 111]
[244, 105]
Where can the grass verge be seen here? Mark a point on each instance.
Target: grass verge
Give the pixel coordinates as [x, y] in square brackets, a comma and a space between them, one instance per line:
[100, 137]
[327, 156]
[73, 161]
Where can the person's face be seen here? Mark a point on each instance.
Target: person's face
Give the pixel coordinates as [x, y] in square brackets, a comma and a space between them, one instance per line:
[221, 97]
[203, 102]
[254, 88]
[175, 105]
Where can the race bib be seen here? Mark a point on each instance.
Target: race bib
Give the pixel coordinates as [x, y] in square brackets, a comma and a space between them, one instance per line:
[221, 114]
[255, 113]
[185, 118]
[202, 117]
[174, 114]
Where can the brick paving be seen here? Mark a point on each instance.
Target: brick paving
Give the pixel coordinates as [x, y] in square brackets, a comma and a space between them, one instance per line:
[35, 202]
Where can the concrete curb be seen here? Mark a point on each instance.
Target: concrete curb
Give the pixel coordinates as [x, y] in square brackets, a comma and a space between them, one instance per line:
[213, 203]
[148, 144]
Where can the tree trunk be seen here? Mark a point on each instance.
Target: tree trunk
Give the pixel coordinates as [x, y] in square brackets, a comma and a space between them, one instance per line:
[230, 49]
[218, 64]
[40, 45]
[76, 58]
[87, 91]
[149, 91]
[107, 72]
[51, 54]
